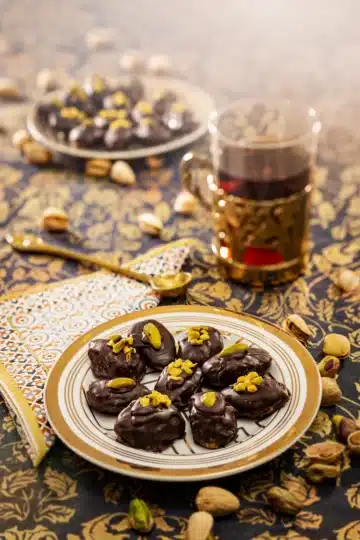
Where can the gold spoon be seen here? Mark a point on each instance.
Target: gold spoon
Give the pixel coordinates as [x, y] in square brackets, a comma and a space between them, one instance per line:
[167, 285]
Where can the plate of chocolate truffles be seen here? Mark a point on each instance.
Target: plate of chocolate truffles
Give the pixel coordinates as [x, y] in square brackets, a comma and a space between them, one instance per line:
[126, 118]
[182, 393]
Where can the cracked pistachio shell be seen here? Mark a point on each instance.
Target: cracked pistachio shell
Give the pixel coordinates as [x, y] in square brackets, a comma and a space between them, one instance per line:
[200, 526]
[331, 392]
[329, 366]
[35, 153]
[336, 345]
[150, 224]
[140, 518]
[283, 501]
[55, 219]
[353, 442]
[185, 203]
[217, 501]
[319, 472]
[21, 137]
[344, 427]
[123, 174]
[298, 327]
[347, 280]
[326, 451]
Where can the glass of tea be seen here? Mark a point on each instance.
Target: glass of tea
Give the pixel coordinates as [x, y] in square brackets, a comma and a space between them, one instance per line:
[258, 187]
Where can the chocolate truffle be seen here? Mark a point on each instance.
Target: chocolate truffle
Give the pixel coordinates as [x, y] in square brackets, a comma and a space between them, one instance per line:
[256, 397]
[113, 396]
[119, 134]
[96, 88]
[115, 357]
[179, 380]
[86, 135]
[212, 420]
[143, 109]
[233, 361]
[75, 97]
[149, 131]
[65, 120]
[150, 423]
[200, 343]
[154, 342]
[135, 90]
[178, 119]
[45, 109]
[163, 101]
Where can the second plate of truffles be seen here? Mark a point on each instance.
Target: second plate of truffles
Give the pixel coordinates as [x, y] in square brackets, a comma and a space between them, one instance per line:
[183, 393]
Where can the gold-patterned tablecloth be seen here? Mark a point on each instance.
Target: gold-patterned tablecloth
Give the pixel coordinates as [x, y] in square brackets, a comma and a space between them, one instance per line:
[66, 497]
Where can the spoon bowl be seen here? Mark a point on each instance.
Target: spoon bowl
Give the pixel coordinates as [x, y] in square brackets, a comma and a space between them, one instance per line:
[171, 285]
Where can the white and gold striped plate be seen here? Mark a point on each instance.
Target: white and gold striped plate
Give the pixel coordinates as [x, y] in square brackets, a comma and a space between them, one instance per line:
[91, 434]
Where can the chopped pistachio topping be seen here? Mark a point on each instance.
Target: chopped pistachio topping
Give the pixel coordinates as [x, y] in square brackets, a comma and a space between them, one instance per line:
[233, 349]
[72, 113]
[88, 122]
[178, 107]
[118, 344]
[208, 399]
[77, 92]
[153, 334]
[98, 83]
[155, 399]
[119, 99]
[120, 123]
[112, 114]
[144, 107]
[121, 382]
[179, 367]
[57, 102]
[197, 335]
[248, 383]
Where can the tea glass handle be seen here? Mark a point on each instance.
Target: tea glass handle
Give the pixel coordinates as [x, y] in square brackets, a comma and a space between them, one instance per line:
[197, 176]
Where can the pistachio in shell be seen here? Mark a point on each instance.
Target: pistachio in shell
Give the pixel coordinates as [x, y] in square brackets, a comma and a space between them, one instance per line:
[336, 345]
[153, 334]
[319, 472]
[344, 427]
[325, 452]
[298, 327]
[329, 366]
[353, 442]
[347, 280]
[283, 501]
[217, 501]
[139, 517]
[121, 382]
[233, 349]
[331, 392]
[200, 526]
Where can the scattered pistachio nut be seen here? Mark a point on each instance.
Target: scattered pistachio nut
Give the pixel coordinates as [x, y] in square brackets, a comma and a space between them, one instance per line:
[234, 348]
[132, 61]
[283, 500]
[159, 64]
[35, 153]
[325, 452]
[55, 220]
[331, 392]
[329, 366]
[99, 38]
[353, 442]
[336, 345]
[98, 167]
[200, 526]
[150, 224]
[185, 203]
[217, 501]
[344, 427]
[121, 382]
[347, 280]
[123, 174]
[319, 472]
[9, 89]
[46, 80]
[155, 162]
[21, 137]
[298, 327]
[153, 334]
[139, 517]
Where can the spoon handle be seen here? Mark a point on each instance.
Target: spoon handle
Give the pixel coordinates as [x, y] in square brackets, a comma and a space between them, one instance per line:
[91, 259]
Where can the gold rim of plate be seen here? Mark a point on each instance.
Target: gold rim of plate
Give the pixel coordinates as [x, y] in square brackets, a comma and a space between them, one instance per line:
[198, 100]
[278, 446]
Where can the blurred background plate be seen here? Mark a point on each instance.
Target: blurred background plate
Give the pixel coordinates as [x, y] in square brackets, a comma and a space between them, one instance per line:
[200, 103]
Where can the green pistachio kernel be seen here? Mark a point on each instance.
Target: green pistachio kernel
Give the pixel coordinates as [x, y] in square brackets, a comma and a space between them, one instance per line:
[139, 517]
[233, 349]
[121, 382]
[153, 334]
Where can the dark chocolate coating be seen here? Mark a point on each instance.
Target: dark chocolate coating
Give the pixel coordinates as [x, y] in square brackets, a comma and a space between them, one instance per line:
[201, 353]
[155, 358]
[105, 364]
[162, 104]
[113, 400]
[61, 124]
[150, 428]
[220, 372]
[84, 136]
[270, 397]
[116, 139]
[179, 391]
[135, 90]
[212, 427]
[151, 133]
[45, 109]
